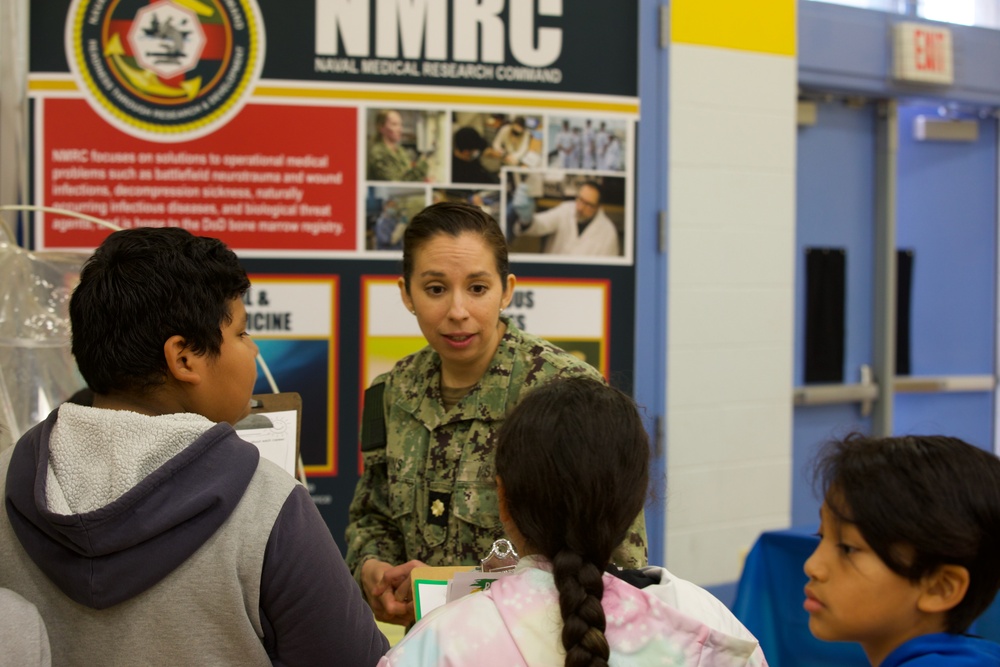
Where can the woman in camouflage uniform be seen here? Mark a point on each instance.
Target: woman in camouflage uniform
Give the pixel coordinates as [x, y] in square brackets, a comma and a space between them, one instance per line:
[428, 491]
[388, 159]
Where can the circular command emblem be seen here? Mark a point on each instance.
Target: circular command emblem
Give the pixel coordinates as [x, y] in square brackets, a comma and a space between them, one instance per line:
[167, 70]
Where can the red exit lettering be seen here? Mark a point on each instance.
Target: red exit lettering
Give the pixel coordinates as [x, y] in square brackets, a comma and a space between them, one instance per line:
[929, 51]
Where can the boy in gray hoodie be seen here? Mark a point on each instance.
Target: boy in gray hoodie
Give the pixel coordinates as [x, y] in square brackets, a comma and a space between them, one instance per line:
[143, 528]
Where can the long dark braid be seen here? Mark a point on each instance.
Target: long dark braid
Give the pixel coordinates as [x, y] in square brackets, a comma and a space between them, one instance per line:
[580, 591]
[573, 457]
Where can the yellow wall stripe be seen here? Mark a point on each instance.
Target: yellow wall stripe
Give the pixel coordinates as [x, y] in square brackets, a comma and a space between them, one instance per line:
[763, 26]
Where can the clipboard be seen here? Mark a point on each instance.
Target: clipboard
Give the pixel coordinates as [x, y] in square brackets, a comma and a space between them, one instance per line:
[432, 586]
[274, 425]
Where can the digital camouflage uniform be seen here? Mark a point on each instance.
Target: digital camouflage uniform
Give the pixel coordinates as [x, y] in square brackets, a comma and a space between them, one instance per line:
[428, 490]
[385, 164]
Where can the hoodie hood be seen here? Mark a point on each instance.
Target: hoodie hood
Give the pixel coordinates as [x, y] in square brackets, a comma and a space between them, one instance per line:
[107, 555]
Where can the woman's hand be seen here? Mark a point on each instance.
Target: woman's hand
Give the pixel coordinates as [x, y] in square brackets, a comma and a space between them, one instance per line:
[388, 590]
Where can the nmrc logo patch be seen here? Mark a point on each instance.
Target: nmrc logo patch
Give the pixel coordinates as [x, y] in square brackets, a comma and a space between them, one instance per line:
[167, 39]
[169, 70]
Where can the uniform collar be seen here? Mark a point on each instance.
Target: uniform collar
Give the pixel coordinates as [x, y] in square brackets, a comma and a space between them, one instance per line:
[486, 401]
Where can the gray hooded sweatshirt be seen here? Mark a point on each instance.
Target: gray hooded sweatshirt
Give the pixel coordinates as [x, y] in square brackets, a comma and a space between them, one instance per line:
[168, 540]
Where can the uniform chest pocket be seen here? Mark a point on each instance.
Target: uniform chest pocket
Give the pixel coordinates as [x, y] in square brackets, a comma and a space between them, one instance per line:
[401, 498]
[475, 502]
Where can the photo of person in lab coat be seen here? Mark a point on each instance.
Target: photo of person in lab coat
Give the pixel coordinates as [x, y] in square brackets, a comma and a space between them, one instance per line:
[572, 222]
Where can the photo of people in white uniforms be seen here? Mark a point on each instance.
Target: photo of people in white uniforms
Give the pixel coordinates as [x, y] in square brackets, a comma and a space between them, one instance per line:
[597, 144]
[567, 154]
[577, 226]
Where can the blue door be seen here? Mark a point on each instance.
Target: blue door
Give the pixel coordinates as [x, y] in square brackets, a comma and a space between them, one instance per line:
[946, 214]
[835, 210]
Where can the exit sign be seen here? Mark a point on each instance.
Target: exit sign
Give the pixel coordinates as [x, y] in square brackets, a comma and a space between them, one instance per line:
[923, 54]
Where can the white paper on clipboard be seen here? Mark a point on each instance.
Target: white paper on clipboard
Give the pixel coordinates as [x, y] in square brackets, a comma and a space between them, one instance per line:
[273, 426]
[276, 441]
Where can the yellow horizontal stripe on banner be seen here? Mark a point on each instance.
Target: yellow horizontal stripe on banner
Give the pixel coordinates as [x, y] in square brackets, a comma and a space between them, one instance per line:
[50, 84]
[763, 26]
[447, 98]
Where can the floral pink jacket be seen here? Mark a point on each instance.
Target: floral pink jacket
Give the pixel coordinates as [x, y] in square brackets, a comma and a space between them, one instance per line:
[517, 622]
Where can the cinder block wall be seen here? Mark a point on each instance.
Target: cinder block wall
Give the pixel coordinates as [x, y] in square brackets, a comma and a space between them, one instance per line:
[730, 284]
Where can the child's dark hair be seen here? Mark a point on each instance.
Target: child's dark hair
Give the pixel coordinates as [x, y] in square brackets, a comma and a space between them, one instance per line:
[142, 286]
[921, 502]
[453, 219]
[573, 458]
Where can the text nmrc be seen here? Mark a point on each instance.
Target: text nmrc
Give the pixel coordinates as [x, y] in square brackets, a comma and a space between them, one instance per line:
[421, 26]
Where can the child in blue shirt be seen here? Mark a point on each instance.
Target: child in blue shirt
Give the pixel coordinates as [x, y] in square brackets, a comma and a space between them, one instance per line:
[909, 551]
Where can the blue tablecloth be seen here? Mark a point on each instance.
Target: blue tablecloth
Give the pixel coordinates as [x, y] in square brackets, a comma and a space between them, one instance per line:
[769, 603]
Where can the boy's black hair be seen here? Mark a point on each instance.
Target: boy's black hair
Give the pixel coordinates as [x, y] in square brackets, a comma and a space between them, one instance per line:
[142, 286]
[921, 502]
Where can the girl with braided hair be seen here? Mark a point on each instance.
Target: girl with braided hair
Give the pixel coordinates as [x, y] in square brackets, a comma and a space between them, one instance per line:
[572, 464]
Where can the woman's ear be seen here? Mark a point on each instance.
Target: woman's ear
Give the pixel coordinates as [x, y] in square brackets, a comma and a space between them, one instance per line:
[943, 589]
[508, 293]
[404, 295]
[182, 364]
